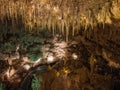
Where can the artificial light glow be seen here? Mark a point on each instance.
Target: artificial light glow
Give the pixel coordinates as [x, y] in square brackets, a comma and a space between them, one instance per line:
[66, 71]
[26, 67]
[25, 59]
[74, 56]
[37, 62]
[50, 59]
[56, 9]
[10, 72]
[57, 74]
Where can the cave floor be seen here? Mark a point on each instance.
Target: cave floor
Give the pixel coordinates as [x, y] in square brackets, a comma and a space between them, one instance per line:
[96, 65]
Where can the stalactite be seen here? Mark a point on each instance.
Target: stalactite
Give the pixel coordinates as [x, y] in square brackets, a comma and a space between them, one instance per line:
[63, 26]
[59, 27]
[77, 30]
[36, 12]
[53, 28]
[104, 16]
[73, 29]
[13, 26]
[67, 33]
[67, 24]
[77, 26]
[49, 24]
